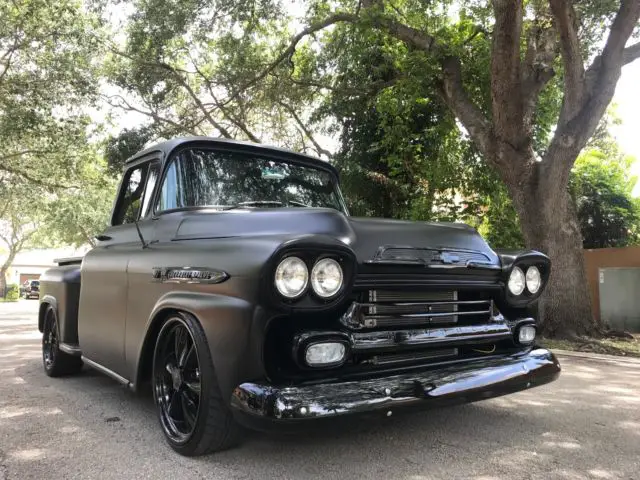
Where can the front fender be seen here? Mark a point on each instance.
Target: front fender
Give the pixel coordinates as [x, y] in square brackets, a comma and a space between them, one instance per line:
[227, 323]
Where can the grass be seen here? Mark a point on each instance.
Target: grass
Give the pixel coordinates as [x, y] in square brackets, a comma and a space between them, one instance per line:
[609, 346]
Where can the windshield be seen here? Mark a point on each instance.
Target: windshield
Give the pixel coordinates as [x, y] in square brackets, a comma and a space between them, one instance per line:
[35, 283]
[211, 178]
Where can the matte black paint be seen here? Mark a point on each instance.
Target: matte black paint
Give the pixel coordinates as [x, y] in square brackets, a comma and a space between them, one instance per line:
[119, 306]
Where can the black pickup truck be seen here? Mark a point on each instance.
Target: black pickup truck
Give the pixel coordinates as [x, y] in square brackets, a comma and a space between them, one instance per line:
[234, 281]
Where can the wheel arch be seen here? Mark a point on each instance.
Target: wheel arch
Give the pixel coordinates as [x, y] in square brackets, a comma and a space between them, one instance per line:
[145, 358]
[226, 322]
[45, 302]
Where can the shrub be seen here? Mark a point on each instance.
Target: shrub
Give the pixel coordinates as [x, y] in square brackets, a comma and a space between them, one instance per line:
[13, 292]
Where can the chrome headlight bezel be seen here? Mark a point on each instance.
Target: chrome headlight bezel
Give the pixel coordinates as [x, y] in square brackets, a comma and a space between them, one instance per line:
[310, 251]
[279, 279]
[516, 283]
[316, 280]
[523, 260]
[533, 279]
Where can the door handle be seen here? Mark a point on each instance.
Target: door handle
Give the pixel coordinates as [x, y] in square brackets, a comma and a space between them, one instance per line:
[103, 238]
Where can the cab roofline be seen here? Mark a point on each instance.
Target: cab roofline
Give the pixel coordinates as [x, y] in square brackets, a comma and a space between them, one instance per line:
[167, 147]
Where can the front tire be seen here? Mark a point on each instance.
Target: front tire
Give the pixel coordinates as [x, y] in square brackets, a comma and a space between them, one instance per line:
[56, 362]
[193, 416]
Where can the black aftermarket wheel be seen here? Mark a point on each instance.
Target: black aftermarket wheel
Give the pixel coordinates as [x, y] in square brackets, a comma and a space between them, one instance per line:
[192, 414]
[56, 362]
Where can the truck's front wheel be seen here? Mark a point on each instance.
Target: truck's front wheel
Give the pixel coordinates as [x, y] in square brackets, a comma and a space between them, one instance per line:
[56, 362]
[193, 416]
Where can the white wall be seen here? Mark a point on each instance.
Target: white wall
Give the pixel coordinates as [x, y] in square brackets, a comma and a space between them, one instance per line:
[38, 261]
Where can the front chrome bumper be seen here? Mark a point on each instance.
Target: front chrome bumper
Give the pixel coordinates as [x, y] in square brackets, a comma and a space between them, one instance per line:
[452, 384]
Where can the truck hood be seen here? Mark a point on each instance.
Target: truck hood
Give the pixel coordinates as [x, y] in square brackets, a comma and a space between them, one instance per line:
[365, 236]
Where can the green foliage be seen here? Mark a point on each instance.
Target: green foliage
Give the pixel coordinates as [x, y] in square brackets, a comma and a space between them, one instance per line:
[47, 76]
[74, 216]
[601, 185]
[120, 147]
[12, 293]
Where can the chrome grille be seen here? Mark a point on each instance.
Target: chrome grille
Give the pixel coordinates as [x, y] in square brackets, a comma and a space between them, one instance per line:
[393, 309]
[426, 256]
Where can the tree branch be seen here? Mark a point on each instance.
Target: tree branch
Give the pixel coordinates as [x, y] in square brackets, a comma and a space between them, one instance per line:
[537, 69]
[600, 84]
[291, 48]
[123, 104]
[305, 130]
[32, 179]
[180, 79]
[567, 26]
[462, 106]
[506, 95]
[631, 53]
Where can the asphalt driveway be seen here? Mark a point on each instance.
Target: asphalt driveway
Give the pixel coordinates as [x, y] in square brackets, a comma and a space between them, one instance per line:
[585, 425]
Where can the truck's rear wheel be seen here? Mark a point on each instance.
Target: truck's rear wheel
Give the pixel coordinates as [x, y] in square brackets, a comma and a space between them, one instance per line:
[194, 418]
[56, 362]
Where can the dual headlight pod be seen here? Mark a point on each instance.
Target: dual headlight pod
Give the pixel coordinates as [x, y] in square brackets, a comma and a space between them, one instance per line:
[518, 280]
[292, 277]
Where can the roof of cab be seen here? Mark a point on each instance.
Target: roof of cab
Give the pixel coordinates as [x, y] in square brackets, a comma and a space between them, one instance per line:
[168, 146]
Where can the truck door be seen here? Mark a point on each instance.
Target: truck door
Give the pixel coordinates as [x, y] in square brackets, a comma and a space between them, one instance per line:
[104, 286]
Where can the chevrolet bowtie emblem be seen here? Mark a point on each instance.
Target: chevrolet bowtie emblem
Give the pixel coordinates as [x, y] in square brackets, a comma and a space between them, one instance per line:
[445, 257]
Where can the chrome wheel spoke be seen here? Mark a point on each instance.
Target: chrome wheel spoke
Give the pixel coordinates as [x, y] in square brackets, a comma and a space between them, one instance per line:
[186, 355]
[189, 409]
[193, 387]
[177, 382]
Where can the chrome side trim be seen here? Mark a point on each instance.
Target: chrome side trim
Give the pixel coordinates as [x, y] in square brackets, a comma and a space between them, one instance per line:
[70, 349]
[106, 371]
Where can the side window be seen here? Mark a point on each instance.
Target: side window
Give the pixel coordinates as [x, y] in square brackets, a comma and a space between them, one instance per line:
[130, 202]
[171, 195]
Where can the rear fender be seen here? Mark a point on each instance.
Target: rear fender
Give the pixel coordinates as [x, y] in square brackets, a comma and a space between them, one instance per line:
[45, 301]
[227, 323]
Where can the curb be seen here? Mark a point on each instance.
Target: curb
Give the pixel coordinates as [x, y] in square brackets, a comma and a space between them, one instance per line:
[598, 356]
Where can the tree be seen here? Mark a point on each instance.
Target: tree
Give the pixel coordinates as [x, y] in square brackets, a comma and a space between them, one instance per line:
[609, 216]
[20, 214]
[74, 216]
[185, 66]
[47, 76]
[527, 45]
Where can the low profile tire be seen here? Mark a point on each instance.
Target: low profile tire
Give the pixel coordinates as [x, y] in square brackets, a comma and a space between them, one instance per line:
[56, 362]
[193, 416]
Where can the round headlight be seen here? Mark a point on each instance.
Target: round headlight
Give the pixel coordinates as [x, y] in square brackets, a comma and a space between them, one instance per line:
[291, 277]
[326, 277]
[534, 279]
[516, 281]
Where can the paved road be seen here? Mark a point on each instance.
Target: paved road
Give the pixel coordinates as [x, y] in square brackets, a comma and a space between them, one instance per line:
[586, 425]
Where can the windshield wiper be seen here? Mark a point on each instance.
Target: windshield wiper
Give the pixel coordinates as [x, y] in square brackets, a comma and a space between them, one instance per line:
[265, 204]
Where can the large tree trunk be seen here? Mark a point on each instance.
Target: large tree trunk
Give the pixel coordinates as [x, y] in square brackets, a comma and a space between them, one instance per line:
[549, 224]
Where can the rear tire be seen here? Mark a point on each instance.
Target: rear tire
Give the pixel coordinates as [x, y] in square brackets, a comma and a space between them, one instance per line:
[193, 416]
[56, 362]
